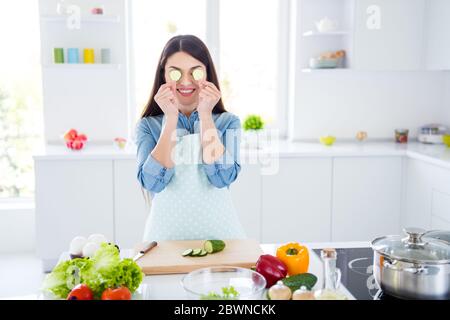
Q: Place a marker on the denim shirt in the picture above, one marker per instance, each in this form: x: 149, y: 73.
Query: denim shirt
x: 154, y: 177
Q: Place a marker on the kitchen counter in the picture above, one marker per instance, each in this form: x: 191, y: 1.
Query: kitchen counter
x: 169, y: 286
x: 434, y: 154
x: 156, y: 287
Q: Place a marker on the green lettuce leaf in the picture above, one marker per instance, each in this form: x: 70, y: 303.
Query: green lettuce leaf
x: 65, y: 276
x: 104, y: 270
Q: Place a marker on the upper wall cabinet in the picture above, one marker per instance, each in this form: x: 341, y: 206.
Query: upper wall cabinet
x: 389, y: 34
x: 324, y: 26
x: 437, y: 35
x: 82, y: 91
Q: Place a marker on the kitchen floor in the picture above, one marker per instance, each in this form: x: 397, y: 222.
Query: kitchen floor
x: 21, y: 275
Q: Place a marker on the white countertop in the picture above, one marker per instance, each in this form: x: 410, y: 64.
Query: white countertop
x: 435, y: 154
x: 168, y: 287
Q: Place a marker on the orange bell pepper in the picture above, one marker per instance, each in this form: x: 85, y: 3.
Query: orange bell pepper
x: 295, y: 257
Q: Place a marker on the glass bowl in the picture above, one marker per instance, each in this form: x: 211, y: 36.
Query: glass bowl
x: 213, y: 283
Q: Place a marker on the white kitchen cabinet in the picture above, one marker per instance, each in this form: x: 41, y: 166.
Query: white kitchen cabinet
x: 366, y: 197
x: 246, y: 193
x: 296, y: 201
x: 427, y: 198
x: 437, y: 34
x: 418, y: 194
x: 389, y: 34
x: 440, y: 198
x: 72, y: 198
x: 440, y: 209
x: 130, y: 207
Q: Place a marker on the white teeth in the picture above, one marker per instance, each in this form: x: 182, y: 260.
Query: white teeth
x: 186, y: 91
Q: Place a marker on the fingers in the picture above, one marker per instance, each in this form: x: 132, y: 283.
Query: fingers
x: 162, y: 91
x: 162, y: 94
x: 212, y: 92
x: 166, y: 94
x: 166, y: 97
x: 205, y: 94
x: 171, y: 85
x: 165, y: 89
x: 206, y: 84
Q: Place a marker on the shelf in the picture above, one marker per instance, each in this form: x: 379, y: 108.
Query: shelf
x: 325, y: 70
x: 326, y: 34
x: 82, y: 66
x: 84, y: 19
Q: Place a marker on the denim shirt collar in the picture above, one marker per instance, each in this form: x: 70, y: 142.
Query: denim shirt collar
x: 189, y: 123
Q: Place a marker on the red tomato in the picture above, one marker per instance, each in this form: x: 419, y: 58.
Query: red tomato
x: 77, y: 144
x: 121, y: 293
x: 81, y: 137
x: 80, y: 292
x: 70, y: 135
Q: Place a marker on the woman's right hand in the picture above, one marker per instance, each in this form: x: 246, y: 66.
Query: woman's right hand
x: 166, y: 99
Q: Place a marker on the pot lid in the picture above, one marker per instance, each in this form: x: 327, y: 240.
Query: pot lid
x: 438, y: 234
x: 413, y: 248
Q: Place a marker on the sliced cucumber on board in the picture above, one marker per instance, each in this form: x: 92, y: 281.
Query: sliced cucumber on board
x: 196, y: 252
x: 187, y: 252
x: 209, y: 246
x: 213, y: 246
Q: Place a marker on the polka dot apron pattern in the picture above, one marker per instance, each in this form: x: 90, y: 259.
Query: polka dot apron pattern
x: 190, y: 207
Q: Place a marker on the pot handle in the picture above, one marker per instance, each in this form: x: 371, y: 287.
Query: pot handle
x: 414, y: 270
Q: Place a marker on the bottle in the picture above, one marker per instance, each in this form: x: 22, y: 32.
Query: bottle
x: 331, y: 277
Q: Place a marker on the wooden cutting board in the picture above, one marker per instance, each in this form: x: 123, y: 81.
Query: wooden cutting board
x: 166, y: 257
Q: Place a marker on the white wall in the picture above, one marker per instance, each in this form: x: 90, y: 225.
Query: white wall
x: 446, y: 105
x: 17, y: 229
x: 343, y: 102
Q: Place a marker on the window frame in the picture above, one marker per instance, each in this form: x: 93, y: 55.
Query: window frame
x: 213, y: 43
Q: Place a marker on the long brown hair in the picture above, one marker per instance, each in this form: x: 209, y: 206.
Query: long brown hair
x: 193, y: 46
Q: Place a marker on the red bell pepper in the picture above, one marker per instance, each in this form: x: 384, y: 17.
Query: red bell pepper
x: 271, y: 268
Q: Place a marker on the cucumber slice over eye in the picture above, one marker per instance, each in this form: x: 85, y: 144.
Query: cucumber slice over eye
x: 198, y: 74
x: 175, y: 75
x: 187, y: 252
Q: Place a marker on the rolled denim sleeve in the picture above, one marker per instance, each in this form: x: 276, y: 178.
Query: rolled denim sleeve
x: 224, y: 171
x: 151, y: 174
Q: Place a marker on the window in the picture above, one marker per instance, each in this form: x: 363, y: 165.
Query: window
x: 153, y: 24
x: 21, y: 125
x: 248, y: 52
x: 249, y: 57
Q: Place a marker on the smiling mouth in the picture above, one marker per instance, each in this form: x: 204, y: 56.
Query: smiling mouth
x: 186, y: 92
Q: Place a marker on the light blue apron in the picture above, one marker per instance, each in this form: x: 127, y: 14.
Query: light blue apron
x: 190, y: 207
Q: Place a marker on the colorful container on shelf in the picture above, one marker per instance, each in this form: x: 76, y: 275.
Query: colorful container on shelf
x: 327, y: 140
x: 89, y: 55
x: 446, y: 139
x: 401, y: 135
x: 58, y: 55
x: 105, y: 55
x: 97, y: 11
x: 73, y: 55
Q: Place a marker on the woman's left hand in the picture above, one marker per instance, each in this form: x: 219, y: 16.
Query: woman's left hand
x: 208, y: 96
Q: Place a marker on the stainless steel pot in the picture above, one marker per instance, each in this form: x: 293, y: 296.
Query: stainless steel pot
x: 415, y: 267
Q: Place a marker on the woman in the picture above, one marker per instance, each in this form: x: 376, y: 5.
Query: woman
x: 188, y: 149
